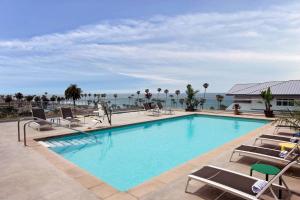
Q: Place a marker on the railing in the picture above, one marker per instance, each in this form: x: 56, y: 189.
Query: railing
x: 35, y: 119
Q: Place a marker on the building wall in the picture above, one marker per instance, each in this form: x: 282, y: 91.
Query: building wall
x: 256, y: 103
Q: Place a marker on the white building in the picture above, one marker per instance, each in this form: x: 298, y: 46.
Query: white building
x: 248, y: 95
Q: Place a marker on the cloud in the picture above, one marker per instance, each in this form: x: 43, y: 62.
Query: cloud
x: 163, y: 51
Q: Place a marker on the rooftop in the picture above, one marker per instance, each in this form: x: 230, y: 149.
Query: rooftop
x: 291, y: 87
x: 35, y: 172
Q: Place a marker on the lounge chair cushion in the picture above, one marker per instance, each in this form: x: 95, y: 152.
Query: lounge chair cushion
x: 275, y: 137
x: 229, y: 179
x: 259, y: 150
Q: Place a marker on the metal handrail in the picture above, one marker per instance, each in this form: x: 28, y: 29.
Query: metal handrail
x: 35, y: 119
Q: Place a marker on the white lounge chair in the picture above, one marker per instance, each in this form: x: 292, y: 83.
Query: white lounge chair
x: 265, y: 153
x: 40, y: 121
x: 67, y: 115
x: 168, y: 111
x: 149, y: 108
x: 236, y: 183
x: 275, y: 138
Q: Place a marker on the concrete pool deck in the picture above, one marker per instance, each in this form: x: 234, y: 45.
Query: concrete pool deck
x: 35, y: 172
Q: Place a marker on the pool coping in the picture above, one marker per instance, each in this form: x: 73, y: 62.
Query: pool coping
x: 104, y: 191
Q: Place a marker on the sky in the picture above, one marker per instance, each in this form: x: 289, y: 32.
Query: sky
x: 129, y: 45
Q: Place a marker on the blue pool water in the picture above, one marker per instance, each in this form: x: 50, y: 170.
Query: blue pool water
x: 127, y: 156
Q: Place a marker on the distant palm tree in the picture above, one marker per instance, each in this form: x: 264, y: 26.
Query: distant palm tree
x: 148, y: 95
x: 219, y: 99
x: 59, y: 99
x: 19, y: 96
x: 95, y: 95
x: 103, y: 96
x: 181, y: 101
x: 53, y: 99
x: 29, y: 99
x: 129, y: 98
x: 205, y: 85
x: 8, y: 99
x: 173, y: 102
x: 73, y: 92
x: 115, y: 96
x: 177, y: 92
x: 37, y: 99
x: 45, y: 101
x: 166, y: 91
x: 138, y: 93
x: 46, y: 93
x: 158, y: 90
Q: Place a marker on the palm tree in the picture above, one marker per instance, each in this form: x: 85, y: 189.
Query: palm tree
x: 8, y: 99
x: 191, y: 101
x: 29, y: 99
x: 181, y: 101
x: 89, y: 95
x: 177, y: 92
x: 45, y: 101
x: 205, y: 85
x: 129, y: 98
x: 53, y: 99
x: 58, y: 100
x: 267, y: 97
x: 158, y: 90
x: 115, y: 96
x: 19, y: 96
x: 62, y: 99
x: 73, y: 92
x: 37, y: 99
x: 138, y: 93
x: 95, y: 95
x: 147, y: 94
x: 166, y: 91
x: 290, y: 118
x: 103, y: 96
x: 219, y: 99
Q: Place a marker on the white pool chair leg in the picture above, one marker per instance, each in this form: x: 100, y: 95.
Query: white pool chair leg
x: 273, y: 193
x: 187, y: 185
x: 231, y: 156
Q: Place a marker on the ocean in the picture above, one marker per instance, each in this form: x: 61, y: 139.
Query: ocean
x: 125, y: 99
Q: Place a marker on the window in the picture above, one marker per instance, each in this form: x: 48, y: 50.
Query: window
x: 285, y: 102
x: 278, y: 102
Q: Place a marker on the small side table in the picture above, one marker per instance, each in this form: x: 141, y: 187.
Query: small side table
x: 267, y: 170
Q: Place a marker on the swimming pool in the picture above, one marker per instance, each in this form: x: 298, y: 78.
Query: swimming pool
x: 127, y: 156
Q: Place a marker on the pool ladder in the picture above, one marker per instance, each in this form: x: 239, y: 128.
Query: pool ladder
x: 33, y: 119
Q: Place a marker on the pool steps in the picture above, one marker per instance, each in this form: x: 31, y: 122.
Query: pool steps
x: 71, y: 142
